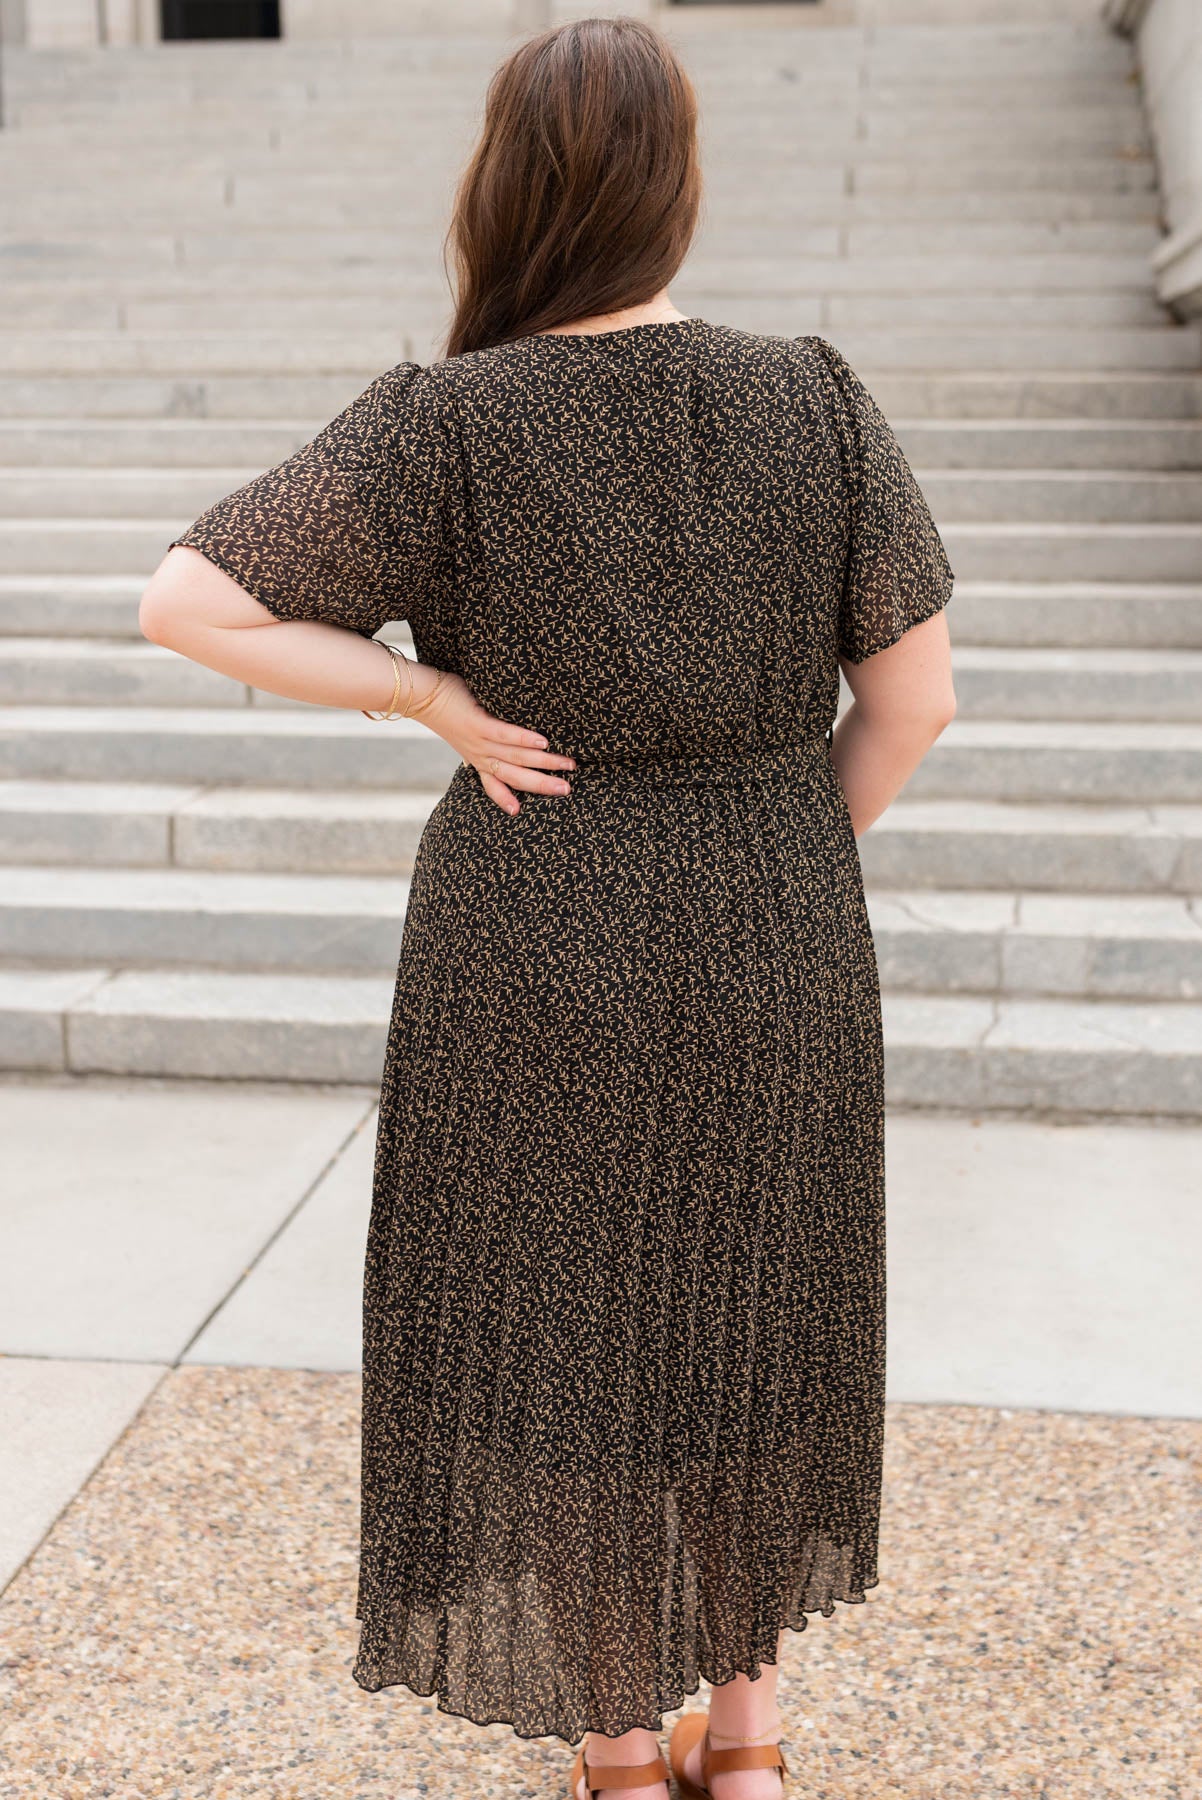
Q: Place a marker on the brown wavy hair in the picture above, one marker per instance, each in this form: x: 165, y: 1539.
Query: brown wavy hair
x: 582, y: 194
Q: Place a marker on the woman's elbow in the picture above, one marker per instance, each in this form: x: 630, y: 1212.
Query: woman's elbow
x: 166, y: 608
x: 153, y: 615
x: 913, y: 716
x: 943, y: 710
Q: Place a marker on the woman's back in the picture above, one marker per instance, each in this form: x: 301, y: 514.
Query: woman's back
x: 647, y: 542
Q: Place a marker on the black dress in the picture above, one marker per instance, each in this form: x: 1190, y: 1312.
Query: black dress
x: 624, y: 1301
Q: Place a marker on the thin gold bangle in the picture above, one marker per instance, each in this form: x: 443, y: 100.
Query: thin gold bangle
x: 392, y: 712
x: 425, y: 704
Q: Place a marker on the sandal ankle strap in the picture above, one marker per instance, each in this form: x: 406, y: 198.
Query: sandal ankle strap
x: 750, y: 1756
x: 623, y: 1775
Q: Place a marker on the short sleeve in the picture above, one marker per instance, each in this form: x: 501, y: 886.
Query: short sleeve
x: 897, y: 572
x: 350, y: 529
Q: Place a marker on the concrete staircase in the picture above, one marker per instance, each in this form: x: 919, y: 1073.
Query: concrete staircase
x: 211, y: 248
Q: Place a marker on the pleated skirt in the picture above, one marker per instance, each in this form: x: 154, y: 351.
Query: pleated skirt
x: 624, y: 1298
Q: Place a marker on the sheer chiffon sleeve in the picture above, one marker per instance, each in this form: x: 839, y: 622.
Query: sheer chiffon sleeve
x: 348, y: 530
x: 897, y: 572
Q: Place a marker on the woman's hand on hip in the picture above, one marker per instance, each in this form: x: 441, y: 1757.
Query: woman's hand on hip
x: 507, y: 757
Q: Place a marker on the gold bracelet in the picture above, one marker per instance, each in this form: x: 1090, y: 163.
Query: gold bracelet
x: 392, y: 712
x: 411, y: 689
x: 424, y: 705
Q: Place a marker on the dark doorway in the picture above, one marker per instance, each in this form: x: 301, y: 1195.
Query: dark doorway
x: 220, y: 18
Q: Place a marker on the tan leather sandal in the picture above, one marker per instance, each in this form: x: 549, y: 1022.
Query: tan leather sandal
x: 696, y: 1726
x: 616, y: 1775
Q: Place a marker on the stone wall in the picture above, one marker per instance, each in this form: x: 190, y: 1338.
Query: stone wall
x: 68, y: 24
x: 1168, y: 34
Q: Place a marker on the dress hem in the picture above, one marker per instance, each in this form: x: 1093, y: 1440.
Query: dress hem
x: 534, y: 1737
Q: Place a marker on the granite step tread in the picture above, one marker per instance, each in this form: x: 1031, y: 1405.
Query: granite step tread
x: 967, y: 844
x: 107, y: 495
x: 1137, y: 946
x: 941, y: 1050
x: 1140, y: 762
x: 1037, y: 847
x: 992, y: 681
x: 963, y: 394
x: 1049, y: 615
x: 193, y: 825
x: 980, y: 349
x: 987, y: 550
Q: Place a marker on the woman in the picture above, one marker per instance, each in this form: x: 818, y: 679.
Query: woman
x: 624, y: 1294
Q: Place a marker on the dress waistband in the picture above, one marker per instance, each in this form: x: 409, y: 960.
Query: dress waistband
x: 706, y: 768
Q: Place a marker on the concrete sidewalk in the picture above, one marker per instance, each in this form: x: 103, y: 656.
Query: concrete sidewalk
x: 155, y: 1224
x: 180, y: 1297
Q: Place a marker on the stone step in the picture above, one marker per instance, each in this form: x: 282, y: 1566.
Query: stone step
x: 1026, y: 446
x: 1065, y: 63
x: 827, y: 130
x: 1050, y: 615
x: 195, y: 444
x: 944, y: 273
x: 970, y: 844
x: 251, y: 174
x: 1062, y: 761
x: 1035, y: 395
x: 196, y: 1023
x: 1046, y: 1056
x: 220, y: 444
x: 1059, y: 496
x: 75, y: 606
x: 1023, y: 552
x: 268, y: 262
x: 313, y: 831
x: 1038, y: 394
x: 227, y: 397
x: 39, y: 671
x: 991, y: 682
x: 60, y: 150
x: 253, y: 745
x: 1075, y: 683
x: 147, y: 353
x: 1130, y: 496
x: 1026, y: 218
x: 1053, y: 615
x: 983, y: 237
x: 122, y: 917
x: 98, y: 353
x: 838, y: 226
x: 1043, y: 1056
x: 1000, y: 174
x: 316, y: 747
x: 917, y: 844
x: 29, y: 305
x: 1050, y: 552
x: 1036, y: 614
x: 1102, y: 946
x: 108, y: 495
x: 339, y: 87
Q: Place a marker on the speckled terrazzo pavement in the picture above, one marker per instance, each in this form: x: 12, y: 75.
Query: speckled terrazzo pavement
x: 187, y: 1628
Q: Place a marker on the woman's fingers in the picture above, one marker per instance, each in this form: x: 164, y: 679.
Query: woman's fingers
x: 521, y: 745
x: 505, y: 733
x: 522, y: 756
x: 529, y: 781
x: 498, y: 792
x: 512, y: 757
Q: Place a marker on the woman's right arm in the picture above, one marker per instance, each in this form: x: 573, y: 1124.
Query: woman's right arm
x: 902, y: 698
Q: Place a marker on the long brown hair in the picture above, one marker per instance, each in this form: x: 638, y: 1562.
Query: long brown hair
x: 582, y: 194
